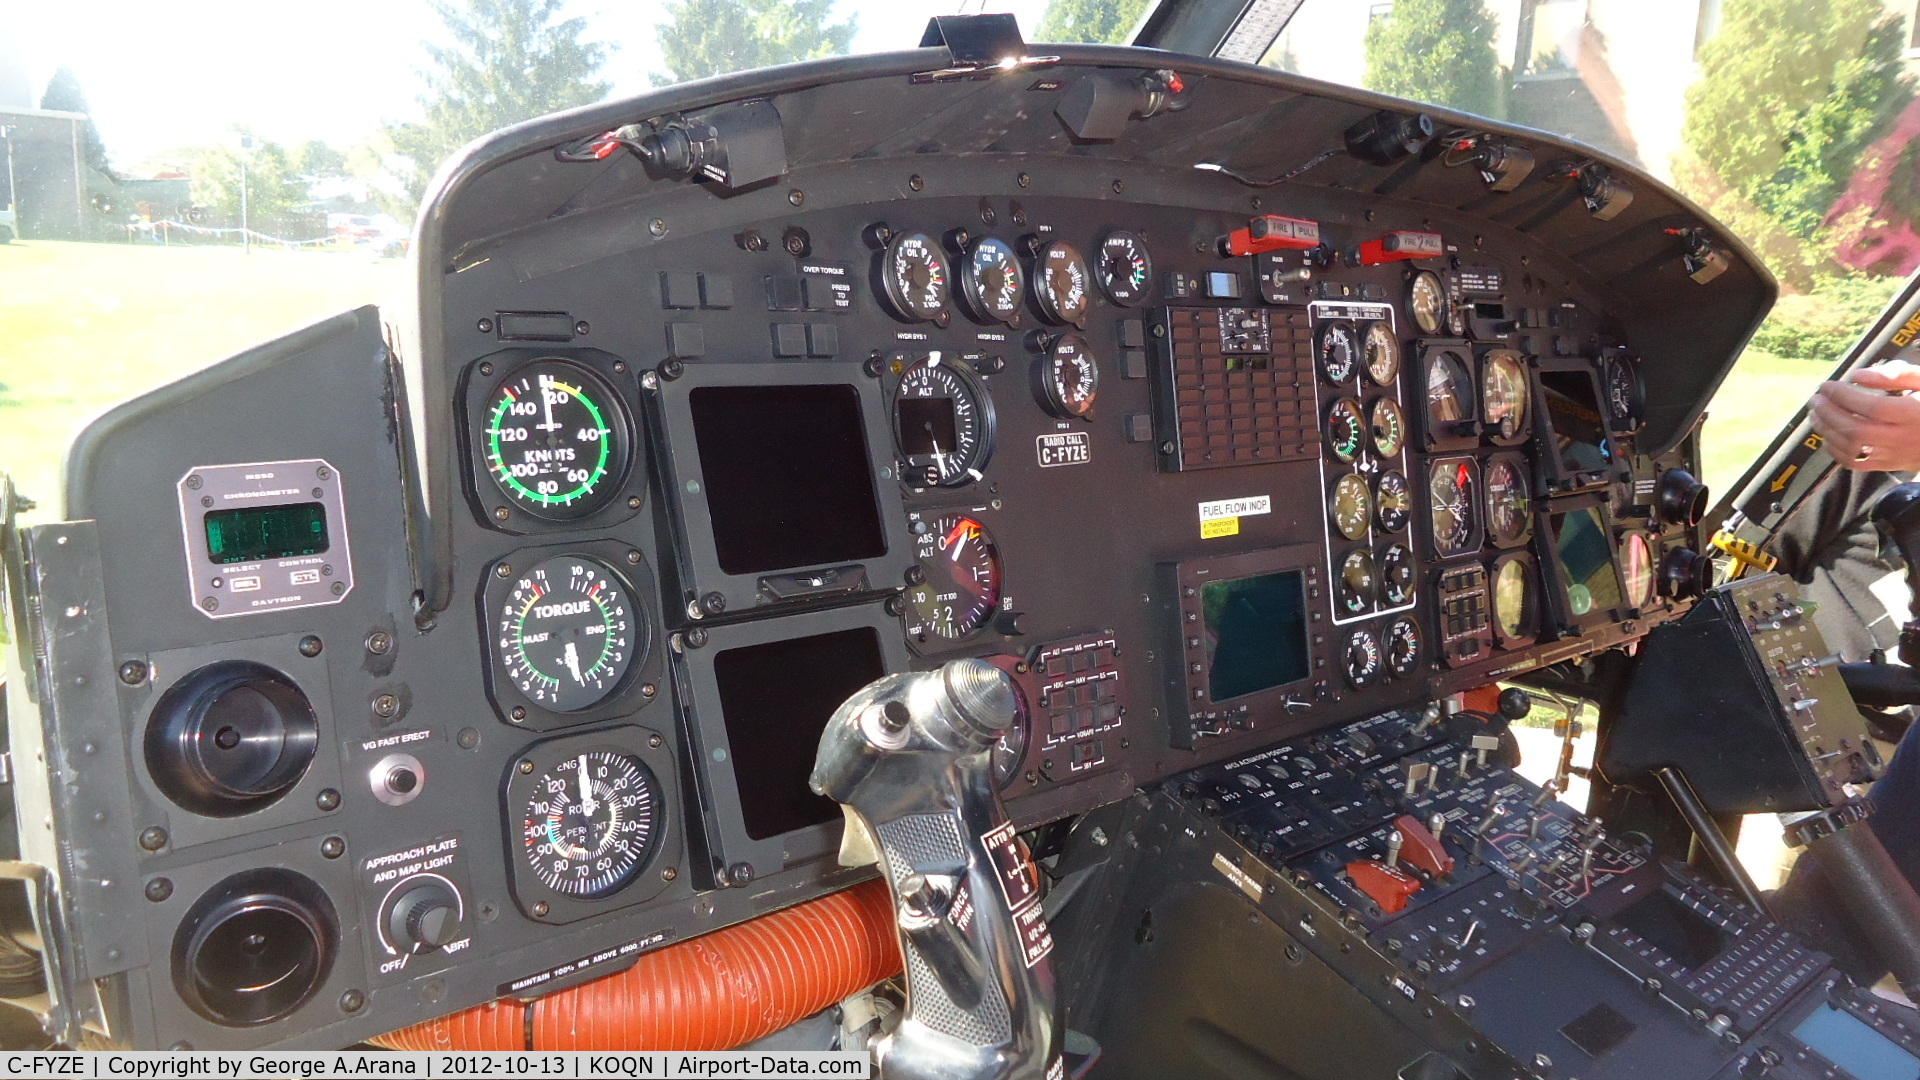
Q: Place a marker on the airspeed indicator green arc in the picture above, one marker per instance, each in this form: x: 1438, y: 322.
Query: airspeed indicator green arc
x: 555, y: 440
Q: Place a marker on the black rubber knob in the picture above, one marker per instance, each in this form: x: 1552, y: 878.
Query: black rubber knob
x: 425, y: 917
x: 1515, y: 703
x: 1683, y: 499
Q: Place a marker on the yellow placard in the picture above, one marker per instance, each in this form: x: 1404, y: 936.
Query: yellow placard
x: 1219, y: 527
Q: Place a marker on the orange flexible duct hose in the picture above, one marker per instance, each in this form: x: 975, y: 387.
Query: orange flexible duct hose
x: 714, y: 992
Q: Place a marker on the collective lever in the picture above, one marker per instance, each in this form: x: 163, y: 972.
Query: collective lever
x: 909, y: 760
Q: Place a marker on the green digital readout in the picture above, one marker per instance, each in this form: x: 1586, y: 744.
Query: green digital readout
x: 251, y: 533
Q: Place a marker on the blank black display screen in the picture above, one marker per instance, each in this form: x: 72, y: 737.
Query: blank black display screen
x: 1675, y: 929
x: 1256, y: 633
x: 1579, y: 431
x: 927, y: 425
x: 776, y: 699
x: 789, y: 482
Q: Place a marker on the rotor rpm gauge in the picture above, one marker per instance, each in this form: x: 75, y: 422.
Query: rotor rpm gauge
x: 913, y: 278
x: 991, y: 282
x: 555, y: 440
x: 1392, y: 501
x: 1389, y: 427
x: 1068, y: 377
x: 1356, y: 581
x: 1124, y: 269
x: 961, y: 586
x: 1381, y: 351
x: 1403, y: 647
x: 1396, y: 574
x: 1346, y: 429
x: 1339, y: 351
x: 1060, y: 284
x: 1427, y: 301
x: 1451, y: 496
x: 565, y: 634
x: 1352, y: 506
x: 591, y: 823
x: 942, y: 423
x: 1363, y: 660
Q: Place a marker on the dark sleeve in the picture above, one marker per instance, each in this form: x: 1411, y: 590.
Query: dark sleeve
x: 1832, y: 549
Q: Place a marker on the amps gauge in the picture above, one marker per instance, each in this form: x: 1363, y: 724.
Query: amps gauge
x: 568, y: 636
x: 586, y: 818
x: 1124, y: 269
x: 551, y: 444
x: 268, y: 536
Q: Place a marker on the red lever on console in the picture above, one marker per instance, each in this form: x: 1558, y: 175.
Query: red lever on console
x: 1271, y: 232
x: 1388, y: 888
x: 1401, y: 246
x: 1421, y: 848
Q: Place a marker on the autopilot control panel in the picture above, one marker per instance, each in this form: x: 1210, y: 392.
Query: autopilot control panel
x: 1215, y: 406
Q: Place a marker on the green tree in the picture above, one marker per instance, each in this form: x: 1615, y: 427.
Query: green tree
x: 1096, y: 22
x: 509, y: 60
x: 64, y: 94
x: 315, y: 158
x: 715, y: 37
x: 275, y: 188
x: 1439, y: 51
x: 1789, y: 94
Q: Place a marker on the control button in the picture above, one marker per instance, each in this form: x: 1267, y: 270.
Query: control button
x: 397, y: 779
x: 825, y: 294
x: 1133, y: 363
x: 823, y: 339
x: 679, y: 289
x: 1133, y: 334
x: 783, y: 292
x: 716, y: 291
x: 789, y: 339
x: 1383, y: 885
x: 686, y: 340
x: 1419, y: 847
x: 425, y: 917
x: 1139, y: 427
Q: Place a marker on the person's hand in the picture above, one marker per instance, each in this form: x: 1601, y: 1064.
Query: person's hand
x: 1865, y: 425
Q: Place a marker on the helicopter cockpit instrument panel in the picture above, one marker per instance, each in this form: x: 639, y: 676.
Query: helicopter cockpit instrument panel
x: 1214, y: 405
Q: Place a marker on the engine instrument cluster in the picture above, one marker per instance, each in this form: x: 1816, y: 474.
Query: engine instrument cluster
x: 1203, y: 466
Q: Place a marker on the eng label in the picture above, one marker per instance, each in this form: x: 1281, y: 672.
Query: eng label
x: 1222, y: 517
x: 1063, y: 448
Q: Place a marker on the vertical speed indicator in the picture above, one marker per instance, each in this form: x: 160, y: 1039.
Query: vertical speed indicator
x: 565, y: 633
x: 554, y: 438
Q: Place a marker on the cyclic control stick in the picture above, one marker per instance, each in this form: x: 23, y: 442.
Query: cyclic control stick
x: 909, y: 760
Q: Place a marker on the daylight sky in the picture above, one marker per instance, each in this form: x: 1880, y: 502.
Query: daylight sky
x: 162, y: 76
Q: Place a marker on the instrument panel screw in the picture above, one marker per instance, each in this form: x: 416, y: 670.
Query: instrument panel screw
x: 896, y: 604
x: 525, y: 767
x: 583, y: 328
x: 210, y: 604
x: 328, y: 799
x: 500, y: 513
x: 206, y: 500
x: 633, y: 557
x: 379, y: 642
x: 468, y: 738
x: 311, y: 645
x: 159, y: 889
x: 352, y: 1001
x: 518, y: 713
x: 669, y: 873
x: 486, y: 369
x: 485, y: 326
x: 671, y: 369
x: 133, y: 672
x: 658, y: 227
x: 648, y: 690
x: 1119, y: 186
x: 503, y: 570
x: 655, y: 742
x: 540, y: 910
x: 332, y: 847
x: 796, y: 196
x: 385, y: 705
x: 338, y: 588
x: 713, y: 603
x: 181, y: 1045
x: 153, y: 838
x: 194, y: 482
x: 696, y: 638
x: 739, y: 875
x: 1023, y: 180
x: 619, y: 366
x: 915, y: 183
x: 916, y: 574
x: 1167, y: 448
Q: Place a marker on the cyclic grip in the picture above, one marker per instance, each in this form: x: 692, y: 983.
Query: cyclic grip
x: 909, y: 758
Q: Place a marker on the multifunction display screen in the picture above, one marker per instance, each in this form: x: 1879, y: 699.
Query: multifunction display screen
x: 1256, y: 631
x: 1587, y: 572
x: 254, y: 533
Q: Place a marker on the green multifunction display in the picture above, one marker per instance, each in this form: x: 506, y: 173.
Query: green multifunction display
x: 254, y: 533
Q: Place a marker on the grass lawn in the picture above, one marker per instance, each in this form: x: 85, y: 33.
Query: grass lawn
x: 84, y: 326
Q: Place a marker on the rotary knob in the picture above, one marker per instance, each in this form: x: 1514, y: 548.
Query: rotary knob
x: 425, y: 917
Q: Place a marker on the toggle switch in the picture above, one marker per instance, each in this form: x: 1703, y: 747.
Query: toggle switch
x: 1384, y: 885
x: 1421, y: 846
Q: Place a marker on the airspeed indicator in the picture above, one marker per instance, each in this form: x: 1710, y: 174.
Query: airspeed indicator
x: 555, y: 440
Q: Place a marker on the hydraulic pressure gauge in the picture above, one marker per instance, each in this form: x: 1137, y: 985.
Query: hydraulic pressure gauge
x: 1388, y: 425
x: 1396, y: 574
x: 1356, y: 581
x: 942, y: 424
x: 566, y: 634
x: 1061, y: 284
x: 1352, y: 506
x: 1346, y: 429
x: 913, y: 277
x: 554, y: 438
x: 960, y: 588
x: 1124, y: 270
x: 991, y: 282
x: 1392, y: 500
x: 1339, y: 351
x: 1427, y: 301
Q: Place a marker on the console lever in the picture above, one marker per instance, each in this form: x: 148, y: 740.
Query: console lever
x: 909, y: 758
